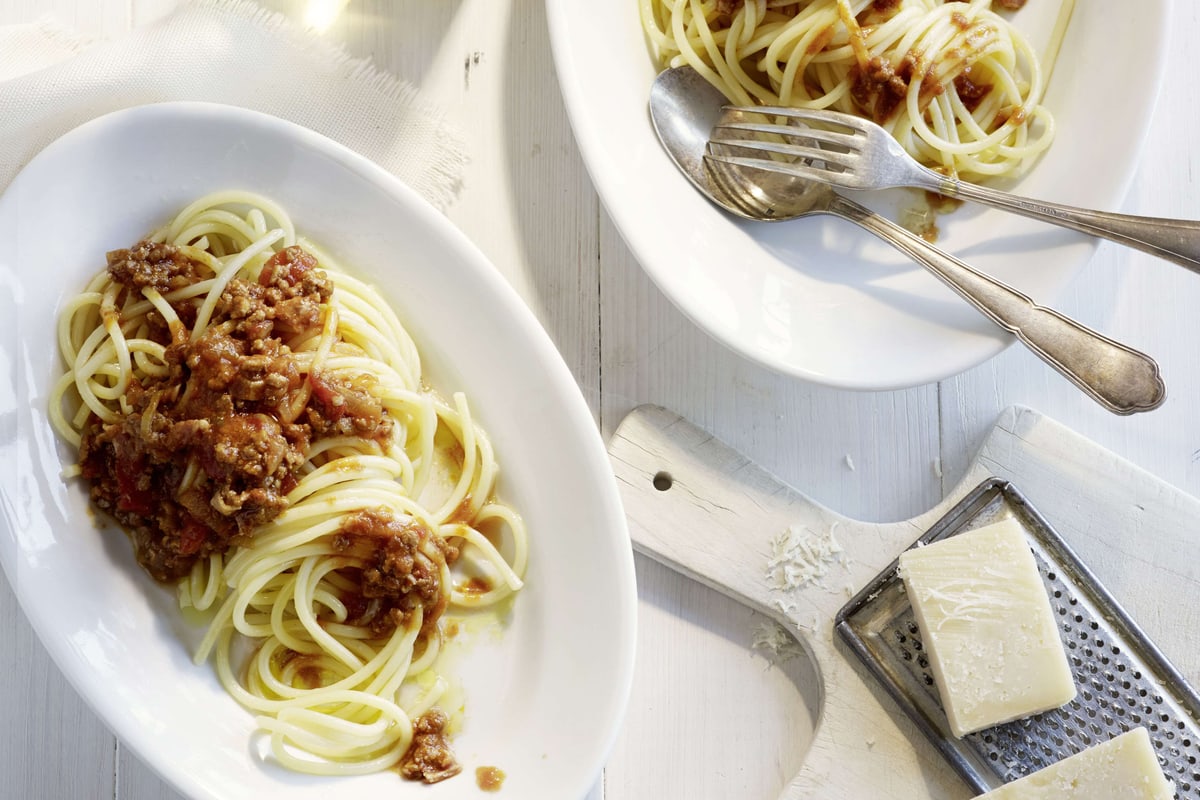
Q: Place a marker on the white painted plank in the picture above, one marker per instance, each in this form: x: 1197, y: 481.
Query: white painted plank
x: 869, y: 455
x: 691, y: 742
x: 53, y: 745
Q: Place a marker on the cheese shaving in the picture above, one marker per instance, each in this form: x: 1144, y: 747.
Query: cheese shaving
x: 777, y: 642
x: 800, y: 556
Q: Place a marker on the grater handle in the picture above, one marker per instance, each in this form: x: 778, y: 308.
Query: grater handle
x: 704, y: 510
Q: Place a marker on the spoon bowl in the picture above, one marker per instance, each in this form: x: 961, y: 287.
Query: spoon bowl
x: 685, y: 108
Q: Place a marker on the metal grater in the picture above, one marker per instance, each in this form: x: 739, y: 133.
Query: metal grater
x: 1123, y: 680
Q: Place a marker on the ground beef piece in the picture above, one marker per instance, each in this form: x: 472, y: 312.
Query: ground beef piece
x: 970, y: 93
x: 161, y: 266
x: 214, y: 359
x: 879, y: 88
x: 429, y: 757
x: 297, y: 314
x: 245, y: 303
x: 294, y: 270
x: 248, y: 446
x: 265, y: 378
x: 1009, y: 5
x: 340, y: 408
x: 402, y: 566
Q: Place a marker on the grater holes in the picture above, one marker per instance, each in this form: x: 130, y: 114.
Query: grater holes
x: 1108, y: 673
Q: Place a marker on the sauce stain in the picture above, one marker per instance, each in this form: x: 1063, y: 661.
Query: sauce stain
x: 489, y: 779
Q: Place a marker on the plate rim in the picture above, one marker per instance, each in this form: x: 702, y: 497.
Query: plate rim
x: 638, y: 237
x: 455, y: 243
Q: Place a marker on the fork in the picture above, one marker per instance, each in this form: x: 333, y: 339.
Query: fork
x: 858, y: 154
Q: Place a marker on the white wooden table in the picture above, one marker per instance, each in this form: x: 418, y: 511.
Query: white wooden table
x: 710, y: 717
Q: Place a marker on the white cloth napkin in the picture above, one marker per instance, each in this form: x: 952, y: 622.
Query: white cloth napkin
x: 222, y: 51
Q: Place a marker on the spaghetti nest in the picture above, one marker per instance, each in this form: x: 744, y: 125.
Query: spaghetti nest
x: 255, y: 419
x: 954, y: 82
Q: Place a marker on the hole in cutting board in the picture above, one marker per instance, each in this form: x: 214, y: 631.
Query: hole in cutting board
x: 710, y: 716
x: 663, y: 481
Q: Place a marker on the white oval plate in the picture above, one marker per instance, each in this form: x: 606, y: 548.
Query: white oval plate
x: 543, y: 697
x: 818, y: 298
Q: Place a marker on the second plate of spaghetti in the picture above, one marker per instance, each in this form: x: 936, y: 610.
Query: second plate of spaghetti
x: 815, y: 298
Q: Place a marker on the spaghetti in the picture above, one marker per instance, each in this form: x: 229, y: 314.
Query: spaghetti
x: 255, y: 418
x: 954, y: 82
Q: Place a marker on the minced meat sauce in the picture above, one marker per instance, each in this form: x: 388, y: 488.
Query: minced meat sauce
x: 234, y: 410
x: 879, y: 87
x: 401, y: 570
x: 208, y: 452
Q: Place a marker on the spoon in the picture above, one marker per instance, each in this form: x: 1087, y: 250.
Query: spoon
x: 684, y: 108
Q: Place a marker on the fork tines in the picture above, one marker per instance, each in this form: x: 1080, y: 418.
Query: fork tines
x: 788, y: 148
x: 821, y: 115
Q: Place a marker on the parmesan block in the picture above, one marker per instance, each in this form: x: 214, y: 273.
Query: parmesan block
x: 1124, y: 768
x: 987, y: 626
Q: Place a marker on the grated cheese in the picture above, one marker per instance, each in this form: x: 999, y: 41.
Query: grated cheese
x: 800, y: 556
x: 772, y: 638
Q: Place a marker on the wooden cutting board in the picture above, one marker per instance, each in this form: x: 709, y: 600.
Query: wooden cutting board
x: 703, y: 509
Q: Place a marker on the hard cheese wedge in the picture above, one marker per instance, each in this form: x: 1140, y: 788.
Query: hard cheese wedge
x: 1124, y: 768
x: 987, y: 626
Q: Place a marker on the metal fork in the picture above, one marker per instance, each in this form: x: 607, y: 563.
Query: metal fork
x: 855, y: 153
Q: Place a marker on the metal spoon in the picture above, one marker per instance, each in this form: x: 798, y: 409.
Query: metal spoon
x: 684, y: 108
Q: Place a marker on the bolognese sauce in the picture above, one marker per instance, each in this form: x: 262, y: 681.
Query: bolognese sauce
x: 206, y: 453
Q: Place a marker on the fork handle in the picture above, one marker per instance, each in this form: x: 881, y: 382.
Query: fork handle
x: 1118, y: 377
x: 1175, y: 240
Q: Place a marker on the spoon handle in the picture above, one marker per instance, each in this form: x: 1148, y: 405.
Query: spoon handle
x: 1176, y: 240
x: 1119, y: 378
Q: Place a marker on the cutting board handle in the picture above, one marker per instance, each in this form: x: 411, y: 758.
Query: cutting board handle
x: 702, y: 509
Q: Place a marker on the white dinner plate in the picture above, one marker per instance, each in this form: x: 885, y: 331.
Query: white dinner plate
x: 544, y: 690
x: 818, y: 298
